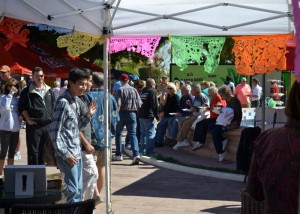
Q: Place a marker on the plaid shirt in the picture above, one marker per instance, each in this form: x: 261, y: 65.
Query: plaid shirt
x: 128, y: 98
x: 65, y: 126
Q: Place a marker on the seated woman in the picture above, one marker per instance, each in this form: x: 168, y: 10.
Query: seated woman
x: 217, y: 131
x: 171, y: 106
x: 274, y: 171
x: 204, y: 125
x: 180, y: 115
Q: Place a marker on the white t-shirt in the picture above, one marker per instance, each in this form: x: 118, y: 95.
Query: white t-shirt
x: 257, y: 91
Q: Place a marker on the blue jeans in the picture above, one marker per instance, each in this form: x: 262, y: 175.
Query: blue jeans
x: 161, y: 128
x: 173, y: 127
x: 72, y: 179
x: 201, y: 129
x: 217, y: 135
x: 128, y: 119
x: 147, y: 129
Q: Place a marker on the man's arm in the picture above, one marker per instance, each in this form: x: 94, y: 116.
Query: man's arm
x: 85, y: 143
x: 23, y: 106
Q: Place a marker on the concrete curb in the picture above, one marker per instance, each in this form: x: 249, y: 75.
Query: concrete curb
x: 191, y: 170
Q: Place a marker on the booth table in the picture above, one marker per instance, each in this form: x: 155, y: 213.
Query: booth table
x: 51, y: 196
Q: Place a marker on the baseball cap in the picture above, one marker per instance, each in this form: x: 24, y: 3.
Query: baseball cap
x: 164, y: 78
x: 124, y: 77
x: 4, y: 69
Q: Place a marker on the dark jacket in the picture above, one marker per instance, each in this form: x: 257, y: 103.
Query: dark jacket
x: 172, y: 105
x: 245, y: 149
x: 149, y: 108
x: 183, y: 105
x: 39, y: 109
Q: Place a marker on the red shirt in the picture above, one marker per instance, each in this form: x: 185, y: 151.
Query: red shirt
x: 213, y: 103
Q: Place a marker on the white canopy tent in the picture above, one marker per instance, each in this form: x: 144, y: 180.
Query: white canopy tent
x: 155, y: 17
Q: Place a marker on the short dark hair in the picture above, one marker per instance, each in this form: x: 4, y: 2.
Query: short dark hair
x: 228, y: 78
x: 89, y: 71
x: 76, y: 74
x: 98, y: 78
x: 36, y: 69
x: 256, y: 81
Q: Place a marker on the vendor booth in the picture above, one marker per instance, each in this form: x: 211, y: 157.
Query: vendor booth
x: 96, y: 21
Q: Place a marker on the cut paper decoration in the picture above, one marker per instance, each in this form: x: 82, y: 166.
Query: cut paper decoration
x: 143, y: 45
x: 11, y: 30
x: 296, y: 9
x: 186, y: 48
x: 260, y: 54
x: 78, y: 42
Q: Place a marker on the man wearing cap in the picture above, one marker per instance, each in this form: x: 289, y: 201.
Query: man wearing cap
x: 242, y: 91
x: 5, y: 75
x: 36, y: 104
x: 129, y: 102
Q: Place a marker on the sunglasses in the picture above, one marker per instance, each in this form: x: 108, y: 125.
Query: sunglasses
x: 39, y: 76
x: 169, y: 88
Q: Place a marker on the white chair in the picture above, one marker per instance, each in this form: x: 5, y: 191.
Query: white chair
x: 269, y: 117
x: 248, y: 117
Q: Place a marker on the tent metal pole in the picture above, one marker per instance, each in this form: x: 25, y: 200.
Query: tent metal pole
x: 83, y: 15
x: 114, y: 13
x: 34, y: 8
x: 137, y: 11
x: 195, y: 10
x: 79, y: 11
x: 136, y: 23
x: 197, y: 23
x: 106, y: 127
x: 254, y: 8
x: 258, y: 21
x: 263, y: 109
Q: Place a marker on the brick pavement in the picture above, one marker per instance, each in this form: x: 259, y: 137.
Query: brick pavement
x: 147, y: 189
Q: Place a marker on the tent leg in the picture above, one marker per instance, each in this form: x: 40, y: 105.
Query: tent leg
x: 263, y: 114
x: 106, y: 127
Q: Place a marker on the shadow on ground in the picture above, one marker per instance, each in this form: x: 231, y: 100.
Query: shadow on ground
x: 171, y: 184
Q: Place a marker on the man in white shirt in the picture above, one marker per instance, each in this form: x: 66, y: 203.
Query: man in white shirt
x: 256, y: 93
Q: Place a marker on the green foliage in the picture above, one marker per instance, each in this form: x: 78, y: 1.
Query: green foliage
x: 226, y: 53
x: 151, y: 72
x: 236, y: 77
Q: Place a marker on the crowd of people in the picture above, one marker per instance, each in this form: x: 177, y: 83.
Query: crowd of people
x: 72, y: 119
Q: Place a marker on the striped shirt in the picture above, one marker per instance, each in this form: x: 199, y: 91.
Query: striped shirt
x: 128, y: 98
x: 70, y: 115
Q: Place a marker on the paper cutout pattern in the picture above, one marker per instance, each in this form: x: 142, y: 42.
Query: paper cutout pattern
x: 185, y: 48
x: 78, y: 42
x: 260, y: 54
x: 11, y: 29
x: 143, y: 45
